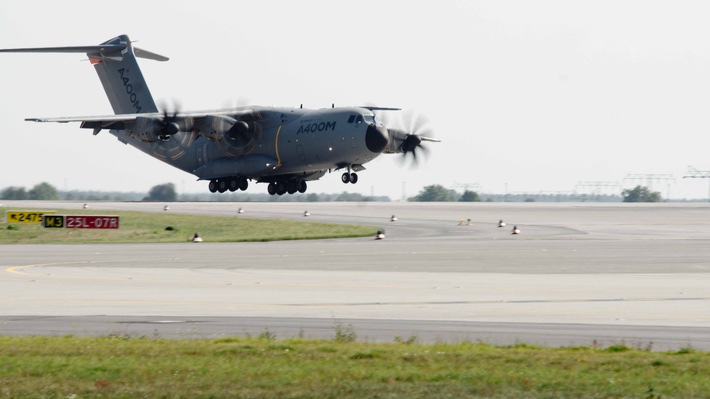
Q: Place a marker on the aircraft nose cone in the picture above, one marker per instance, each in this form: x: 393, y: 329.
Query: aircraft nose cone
x: 376, y: 138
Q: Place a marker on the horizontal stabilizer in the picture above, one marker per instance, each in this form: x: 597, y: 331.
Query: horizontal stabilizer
x: 68, y: 49
x: 104, y: 49
x: 149, y: 55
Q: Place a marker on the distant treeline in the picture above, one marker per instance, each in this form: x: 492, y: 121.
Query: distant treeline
x: 45, y: 191
x: 542, y: 197
x: 433, y: 193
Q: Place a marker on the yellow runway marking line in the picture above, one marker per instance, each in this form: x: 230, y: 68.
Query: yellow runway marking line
x: 12, y: 270
x: 82, y: 262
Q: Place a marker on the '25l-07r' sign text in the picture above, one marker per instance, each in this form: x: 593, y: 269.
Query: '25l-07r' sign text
x: 80, y: 222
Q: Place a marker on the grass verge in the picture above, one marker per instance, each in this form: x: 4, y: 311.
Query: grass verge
x: 121, y: 367
x: 140, y: 227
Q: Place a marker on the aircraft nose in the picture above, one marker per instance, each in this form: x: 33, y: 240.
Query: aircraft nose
x: 376, y: 138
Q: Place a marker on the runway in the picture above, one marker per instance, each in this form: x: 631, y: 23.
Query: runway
x: 578, y: 274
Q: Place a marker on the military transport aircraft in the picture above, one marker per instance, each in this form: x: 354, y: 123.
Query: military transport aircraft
x: 284, y: 147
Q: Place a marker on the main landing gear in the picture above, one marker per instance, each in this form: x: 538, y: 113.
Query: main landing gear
x: 282, y: 187
x: 229, y: 183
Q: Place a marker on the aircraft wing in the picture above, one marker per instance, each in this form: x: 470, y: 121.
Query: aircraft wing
x: 119, y: 121
x: 105, y: 118
x: 95, y: 122
x: 132, y: 117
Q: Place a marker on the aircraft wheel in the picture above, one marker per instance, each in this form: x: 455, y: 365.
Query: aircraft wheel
x: 213, y: 186
x: 302, y: 186
x: 271, y: 189
x: 280, y: 188
x: 233, y: 184
x: 222, y: 186
x: 243, y: 184
x: 353, y: 178
x: 345, y: 178
x: 292, y: 187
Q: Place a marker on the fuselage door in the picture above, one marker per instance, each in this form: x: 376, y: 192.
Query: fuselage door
x: 201, y: 154
x: 301, y: 153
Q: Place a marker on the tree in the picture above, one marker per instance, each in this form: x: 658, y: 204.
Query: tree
x: 14, y: 193
x: 641, y: 194
x: 435, y: 193
x: 162, y: 192
x: 470, y: 196
x: 43, y: 191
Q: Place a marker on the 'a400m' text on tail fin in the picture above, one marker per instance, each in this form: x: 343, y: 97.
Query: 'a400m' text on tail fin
x: 115, y: 62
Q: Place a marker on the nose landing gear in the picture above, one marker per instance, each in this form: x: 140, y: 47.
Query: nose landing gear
x: 348, y: 177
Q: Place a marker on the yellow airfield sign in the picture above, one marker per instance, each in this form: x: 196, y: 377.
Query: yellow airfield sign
x: 13, y: 217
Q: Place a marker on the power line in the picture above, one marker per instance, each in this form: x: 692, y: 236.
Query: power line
x: 698, y: 174
x: 474, y: 186
x: 596, y: 187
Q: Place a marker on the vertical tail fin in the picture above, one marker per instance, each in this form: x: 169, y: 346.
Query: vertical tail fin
x: 115, y: 63
x: 121, y: 77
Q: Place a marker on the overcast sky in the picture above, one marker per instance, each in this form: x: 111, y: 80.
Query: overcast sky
x: 527, y: 96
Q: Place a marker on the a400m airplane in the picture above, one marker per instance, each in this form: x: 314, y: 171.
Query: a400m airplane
x: 284, y: 147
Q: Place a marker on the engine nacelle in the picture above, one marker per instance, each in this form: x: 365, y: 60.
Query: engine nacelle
x: 396, y: 138
x: 146, y: 129
x: 214, y: 127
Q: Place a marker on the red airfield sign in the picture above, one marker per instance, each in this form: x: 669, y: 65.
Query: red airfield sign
x: 81, y: 221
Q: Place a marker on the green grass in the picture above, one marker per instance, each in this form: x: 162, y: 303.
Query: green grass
x: 121, y: 367
x: 139, y: 227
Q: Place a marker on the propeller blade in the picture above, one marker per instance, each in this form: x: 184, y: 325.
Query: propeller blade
x: 240, y: 130
x: 416, y: 130
x: 172, y: 123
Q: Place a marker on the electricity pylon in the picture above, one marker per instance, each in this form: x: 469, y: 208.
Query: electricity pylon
x: 698, y: 174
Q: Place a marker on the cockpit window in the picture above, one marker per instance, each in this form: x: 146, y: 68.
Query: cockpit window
x: 369, y: 118
x: 354, y: 118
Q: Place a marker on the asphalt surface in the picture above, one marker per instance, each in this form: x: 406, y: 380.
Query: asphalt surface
x: 578, y: 274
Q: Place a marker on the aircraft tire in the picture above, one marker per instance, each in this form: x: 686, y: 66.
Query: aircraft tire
x: 212, y: 186
x: 353, y: 178
x: 280, y: 188
x: 302, y: 186
x: 292, y: 187
x: 271, y: 189
x: 345, y: 178
x: 233, y: 185
x: 221, y: 186
x: 243, y: 184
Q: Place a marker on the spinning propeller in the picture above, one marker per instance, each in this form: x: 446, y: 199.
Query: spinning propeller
x: 168, y: 125
x: 243, y: 127
x: 240, y: 130
x: 171, y: 123
x: 408, y: 140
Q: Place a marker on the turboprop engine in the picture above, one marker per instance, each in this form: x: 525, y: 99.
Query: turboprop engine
x: 216, y: 127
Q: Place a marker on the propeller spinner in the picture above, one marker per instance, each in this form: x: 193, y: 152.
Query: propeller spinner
x: 408, y: 141
x: 168, y: 125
